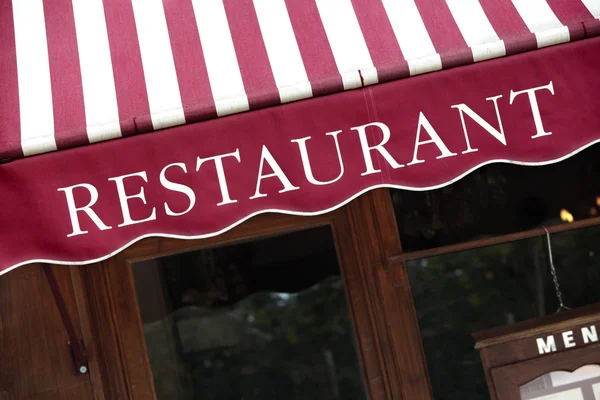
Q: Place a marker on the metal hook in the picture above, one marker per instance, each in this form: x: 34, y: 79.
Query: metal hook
x: 561, y: 304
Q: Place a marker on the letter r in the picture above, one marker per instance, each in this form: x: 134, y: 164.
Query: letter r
x: 73, y: 209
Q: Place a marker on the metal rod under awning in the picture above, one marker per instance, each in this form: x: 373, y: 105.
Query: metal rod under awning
x: 78, y: 355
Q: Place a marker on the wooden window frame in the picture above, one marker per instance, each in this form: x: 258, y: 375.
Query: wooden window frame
x: 379, y: 300
x: 491, y: 241
x: 398, y: 260
x: 374, y: 270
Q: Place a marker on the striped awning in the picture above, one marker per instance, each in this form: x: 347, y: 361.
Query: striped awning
x: 74, y: 72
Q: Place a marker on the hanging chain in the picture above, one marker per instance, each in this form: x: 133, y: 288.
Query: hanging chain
x: 561, y: 304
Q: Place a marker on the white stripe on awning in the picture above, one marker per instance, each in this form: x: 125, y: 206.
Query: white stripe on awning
x: 97, y: 79
x: 219, y: 54
x: 476, y: 29
x: 347, y: 43
x: 159, y: 68
x: 282, y: 49
x: 541, y: 20
x: 33, y: 68
x: 412, y: 36
x: 593, y: 6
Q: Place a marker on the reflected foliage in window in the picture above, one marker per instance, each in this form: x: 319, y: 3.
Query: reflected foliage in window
x: 498, y: 199
x: 461, y: 293
x: 266, y: 319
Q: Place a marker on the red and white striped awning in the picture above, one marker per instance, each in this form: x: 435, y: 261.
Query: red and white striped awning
x: 74, y: 72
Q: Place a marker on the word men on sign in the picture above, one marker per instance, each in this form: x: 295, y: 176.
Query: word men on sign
x: 587, y: 334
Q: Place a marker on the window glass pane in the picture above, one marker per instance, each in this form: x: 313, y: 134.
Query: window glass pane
x: 498, y: 199
x: 461, y: 293
x: 266, y: 319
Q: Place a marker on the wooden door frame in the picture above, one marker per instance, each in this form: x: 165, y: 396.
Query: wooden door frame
x: 379, y: 300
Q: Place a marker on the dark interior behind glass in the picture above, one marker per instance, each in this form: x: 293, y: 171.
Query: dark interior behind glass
x: 498, y: 199
x: 461, y: 293
x: 265, y: 319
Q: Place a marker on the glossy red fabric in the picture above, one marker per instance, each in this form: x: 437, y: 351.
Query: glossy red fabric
x: 563, y: 82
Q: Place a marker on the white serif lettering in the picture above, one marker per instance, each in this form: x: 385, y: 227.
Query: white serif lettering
x: 366, y: 149
x: 221, y: 173
x: 306, y: 161
x: 435, y: 138
x: 535, y: 108
x: 124, y: 199
x: 177, y: 187
x: 73, y: 209
x: 498, y: 134
x: 267, y: 157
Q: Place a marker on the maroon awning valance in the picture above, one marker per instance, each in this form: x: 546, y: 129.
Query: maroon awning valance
x: 306, y: 157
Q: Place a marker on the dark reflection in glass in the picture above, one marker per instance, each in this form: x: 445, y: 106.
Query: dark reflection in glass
x: 461, y: 293
x: 498, y: 199
x: 266, y: 319
x: 577, y: 259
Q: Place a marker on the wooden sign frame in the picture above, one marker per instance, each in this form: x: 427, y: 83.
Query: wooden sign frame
x: 517, y: 354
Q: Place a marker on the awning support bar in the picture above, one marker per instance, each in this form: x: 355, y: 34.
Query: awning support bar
x: 78, y: 356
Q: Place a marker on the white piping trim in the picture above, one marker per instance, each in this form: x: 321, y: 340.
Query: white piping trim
x: 300, y: 213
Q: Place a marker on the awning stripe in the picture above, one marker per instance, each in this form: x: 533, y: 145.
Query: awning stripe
x: 446, y: 37
x: 10, y: 125
x: 207, y: 58
x: 507, y: 23
x: 65, y: 75
x: 476, y: 29
x: 194, y: 85
x: 128, y: 72
x: 33, y: 66
x: 541, y: 20
x: 221, y: 61
x: 347, y: 43
x: 282, y: 49
x: 381, y: 40
x: 99, y: 94
x: 159, y: 68
x: 593, y: 6
x: 564, y: 13
x: 251, y: 52
x: 319, y: 62
x: 412, y: 36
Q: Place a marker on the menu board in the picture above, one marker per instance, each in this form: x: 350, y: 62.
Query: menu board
x: 583, y: 384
